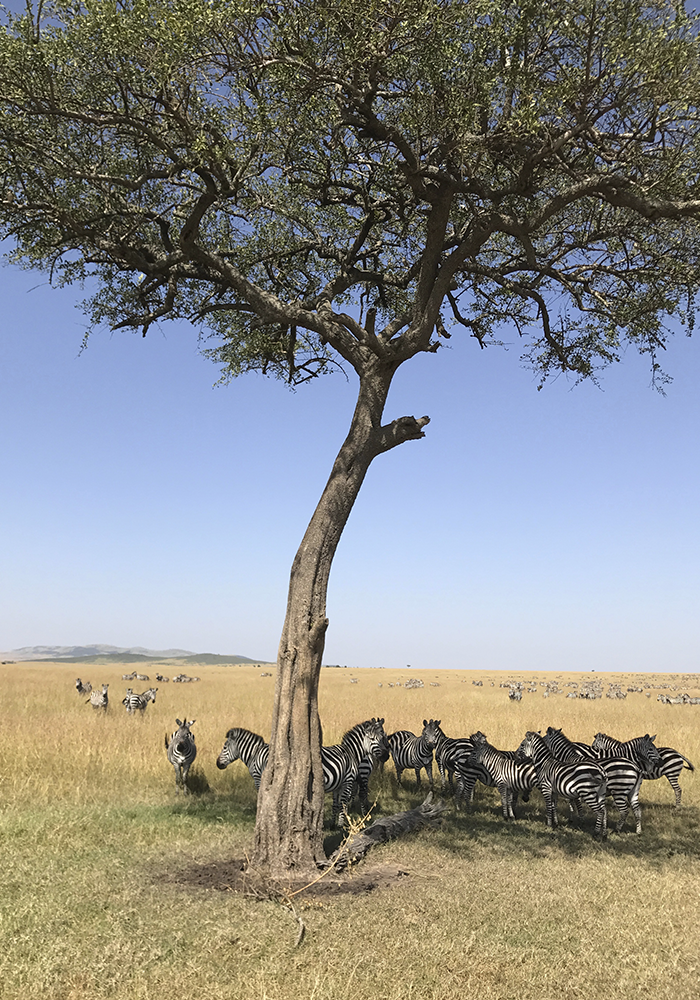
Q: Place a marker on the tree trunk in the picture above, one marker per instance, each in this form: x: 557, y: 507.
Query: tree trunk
x: 289, y: 825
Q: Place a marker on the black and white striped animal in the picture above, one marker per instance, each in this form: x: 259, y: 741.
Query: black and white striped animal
x: 641, y: 749
x: 449, y: 752
x: 241, y: 744
x: 137, y: 702
x: 623, y: 774
x: 342, y: 762
x: 253, y: 751
x: 81, y: 688
x: 496, y: 768
x: 100, y: 699
x: 181, y: 750
x: 411, y: 751
x: 583, y: 780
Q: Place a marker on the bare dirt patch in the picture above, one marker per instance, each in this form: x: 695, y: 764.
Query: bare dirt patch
x: 231, y: 876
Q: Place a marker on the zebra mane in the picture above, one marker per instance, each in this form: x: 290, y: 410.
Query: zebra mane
x: 362, y: 727
x: 237, y: 731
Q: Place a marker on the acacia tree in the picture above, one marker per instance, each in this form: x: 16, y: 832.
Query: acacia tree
x: 320, y: 186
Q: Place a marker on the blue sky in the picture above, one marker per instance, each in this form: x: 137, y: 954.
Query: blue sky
x: 552, y: 530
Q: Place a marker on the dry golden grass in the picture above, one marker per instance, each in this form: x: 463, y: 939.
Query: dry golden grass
x: 94, y: 837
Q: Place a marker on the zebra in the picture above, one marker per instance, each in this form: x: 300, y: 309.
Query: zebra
x: 409, y: 750
x: 161, y: 679
x: 181, y: 750
x: 508, y: 775
x: 134, y: 702
x: 341, y: 762
x: 469, y: 771
x: 448, y: 752
x: 581, y: 780
x: 99, y: 699
x: 624, y: 775
x: 656, y: 762
x: 243, y: 745
x: 81, y: 688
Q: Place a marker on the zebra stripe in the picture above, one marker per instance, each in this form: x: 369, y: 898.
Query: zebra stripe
x: 338, y: 771
x: 243, y: 745
x: 655, y: 762
x: 448, y: 753
x: 582, y: 780
x: 100, y: 699
x: 508, y: 775
x: 469, y: 771
x: 409, y: 750
x: 181, y: 751
x: 341, y: 762
x: 137, y: 702
x: 624, y: 775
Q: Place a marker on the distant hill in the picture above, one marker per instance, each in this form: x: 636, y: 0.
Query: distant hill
x: 118, y: 654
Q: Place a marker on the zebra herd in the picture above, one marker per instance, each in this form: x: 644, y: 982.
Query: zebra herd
x: 557, y: 766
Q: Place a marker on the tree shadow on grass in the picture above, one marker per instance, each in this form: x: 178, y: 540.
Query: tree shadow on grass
x: 666, y: 832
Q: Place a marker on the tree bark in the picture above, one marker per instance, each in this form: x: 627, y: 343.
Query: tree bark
x: 289, y: 825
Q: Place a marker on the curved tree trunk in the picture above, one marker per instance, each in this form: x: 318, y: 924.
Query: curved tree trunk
x: 289, y: 825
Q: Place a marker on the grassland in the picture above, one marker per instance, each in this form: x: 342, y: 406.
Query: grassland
x: 99, y: 894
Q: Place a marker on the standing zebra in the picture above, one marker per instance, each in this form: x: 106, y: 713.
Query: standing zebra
x: 656, y: 762
x: 243, y: 745
x: 624, y: 775
x: 99, y: 699
x: 470, y: 769
x: 508, y: 775
x: 81, y: 688
x: 341, y: 762
x: 448, y: 753
x: 582, y: 780
x: 252, y: 749
x: 137, y: 702
x: 181, y: 750
x: 409, y: 750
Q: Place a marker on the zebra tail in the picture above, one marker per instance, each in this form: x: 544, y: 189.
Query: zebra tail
x: 688, y: 766
x: 167, y: 744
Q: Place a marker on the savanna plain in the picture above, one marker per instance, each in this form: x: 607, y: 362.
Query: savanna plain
x: 101, y: 894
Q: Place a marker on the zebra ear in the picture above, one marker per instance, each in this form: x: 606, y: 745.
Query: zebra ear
x: 191, y: 722
x: 652, y: 738
x: 179, y: 723
x: 438, y: 721
x: 425, y: 722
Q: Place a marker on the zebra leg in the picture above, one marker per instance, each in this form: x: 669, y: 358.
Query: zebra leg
x: 417, y: 770
x: 429, y: 772
x: 673, y: 782
x: 505, y: 804
x: 399, y: 772
x: 622, y: 805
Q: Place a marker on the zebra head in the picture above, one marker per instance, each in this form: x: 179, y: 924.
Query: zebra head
x: 125, y: 699
x: 478, y: 738
x: 528, y: 749
x: 231, y: 749
x: 431, y: 732
x: 182, y: 737
x: 603, y: 744
x: 371, y: 737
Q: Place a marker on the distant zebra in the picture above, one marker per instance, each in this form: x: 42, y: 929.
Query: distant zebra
x: 100, y: 699
x: 81, y: 688
x: 243, y: 745
x: 342, y: 762
x: 624, y: 775
x: 142, y: 677
x: 137, y: 702
x: 181, y: 750
x: 161, y: 679
x: 584, y: 780
x: 508, y: 775
x: 411, y: 751
x: 641, y: 749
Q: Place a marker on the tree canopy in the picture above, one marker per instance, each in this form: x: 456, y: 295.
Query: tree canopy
x: 309, y: 182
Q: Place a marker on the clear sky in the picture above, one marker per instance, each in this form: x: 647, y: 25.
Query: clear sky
x: 552, y: 530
